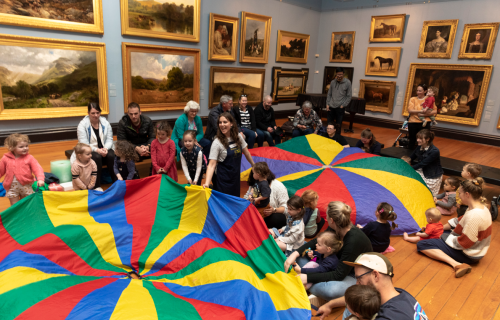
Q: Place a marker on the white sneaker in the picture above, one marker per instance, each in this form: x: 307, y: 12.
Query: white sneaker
x: 98, y: 189
x: 316, y: 301
x: 424, y: 123
x: 434, y: 123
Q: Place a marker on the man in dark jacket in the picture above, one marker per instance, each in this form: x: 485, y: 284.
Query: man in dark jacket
x: 137, y: 129
x: 225, y: 105
x: 264, y: 117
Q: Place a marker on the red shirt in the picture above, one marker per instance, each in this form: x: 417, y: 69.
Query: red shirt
x: 434, y: 230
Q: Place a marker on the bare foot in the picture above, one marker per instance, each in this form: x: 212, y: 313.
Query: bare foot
x: 405, y: 236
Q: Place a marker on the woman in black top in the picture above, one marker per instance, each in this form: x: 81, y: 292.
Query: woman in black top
x: 332, y: 132
x: 426, y: 160
x: 368, y: 143
x: 245, y: 118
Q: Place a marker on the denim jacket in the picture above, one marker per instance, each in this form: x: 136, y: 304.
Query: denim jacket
x: 429, y: 160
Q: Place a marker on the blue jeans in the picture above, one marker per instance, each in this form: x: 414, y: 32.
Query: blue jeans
x: 269, y: 137
x: 250, y: 137
x: 298, y: 132
x: 346, y: 314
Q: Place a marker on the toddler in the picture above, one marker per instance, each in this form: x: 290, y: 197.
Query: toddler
x: 193, y: 163
x: 406, y: 159
x: 125, y: 156
x: 163, y: 151
x: 261, y: 189
x: 433, y: 230
x: 362, y: 301
x: 291, y: 236
x: 428, y: 104
x: 18, y: 166
x: 379, y: 231
x: 312, y: 220
x: 447, y: 205
x: 84, y: 169
x: 470, y: 171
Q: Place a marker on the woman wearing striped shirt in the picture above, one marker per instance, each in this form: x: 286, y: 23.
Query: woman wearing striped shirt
x: 245, y: 118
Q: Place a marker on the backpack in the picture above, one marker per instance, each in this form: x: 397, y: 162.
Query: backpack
x: 287, y: 127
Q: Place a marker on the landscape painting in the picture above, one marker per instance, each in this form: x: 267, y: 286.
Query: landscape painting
x: 330, y: 74
x: 387, y: 28
x: 223, y: 37
x: 292, y: 47
x: 382, y: 61
x: 288, y: 83
x: 255, y: 34
x: 290, y: 86
x: 235, y: 82
x: 167, y: 19
x: 160, y: 78
x: 478, y: 41
x: 379, y: 95
x: 342, y: 46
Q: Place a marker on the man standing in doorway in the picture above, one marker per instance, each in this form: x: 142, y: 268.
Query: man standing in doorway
x: 339, y: 97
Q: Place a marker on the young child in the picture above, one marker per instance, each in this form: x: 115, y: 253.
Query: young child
x: 261, y: 189
x: 362, y: 301
x: 445, y: 202
x: 193, y: 163
x: 291, y: 236
x: 84, y: 169
x: 470, y: 171
x: 18, y: 166
x: 433, y: 229
x: 379, y: 231
x: 125, y: 156
x: 428, y: 104
x: 324, y: 258
x: 312, y: 220
x: 406, y: 159
x: 163, y: 151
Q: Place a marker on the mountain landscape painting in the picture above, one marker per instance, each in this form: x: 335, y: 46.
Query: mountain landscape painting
x: 81, y: 11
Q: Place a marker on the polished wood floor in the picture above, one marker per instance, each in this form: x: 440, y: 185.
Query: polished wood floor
x: 475, y: 296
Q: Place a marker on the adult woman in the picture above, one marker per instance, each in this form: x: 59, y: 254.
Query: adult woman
x: 331, y: 285
x: 427, y: 161
x: 437, y: 45
x: 477, y: 46
x: 304, y: 121
x: 414, y: 108
x: 368, y: 143
x: 225, y: 156
x: 471, y: 236
x: 245, y: 118
x: 332, y: 133
x: 96, y: 131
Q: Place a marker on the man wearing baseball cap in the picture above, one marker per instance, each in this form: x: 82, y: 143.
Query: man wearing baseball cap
x: 375, y: 269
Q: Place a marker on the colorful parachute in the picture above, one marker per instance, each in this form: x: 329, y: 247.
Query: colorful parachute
x: 200, y: 254
x: 350, y: 175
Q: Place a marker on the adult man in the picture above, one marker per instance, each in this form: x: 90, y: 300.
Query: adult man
x: 376, y: 270
x: 264, y: 116
x: 225, y: 105
x: 137, y: 129
x: 219, y: 43
x: 339, y: 97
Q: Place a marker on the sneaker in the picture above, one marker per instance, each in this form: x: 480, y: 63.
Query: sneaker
x: 316, y: 301
x: 98, y: 189
x: 434, y: 123
x: 424, y: 123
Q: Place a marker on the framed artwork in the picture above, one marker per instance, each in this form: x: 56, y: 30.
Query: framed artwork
x: 44, y: 78
x: 235, y: 82
x: 498, y: 125
x: 223, y: 37
x: 437, y: 39
x: 67, y: 15
x: 478, y: 41
x: 160, y: 78
x: 330, y: 74
x: 292, y: 47
x: 165, y: 19
x: 389, y: 28
x: 288, y: 83
x: 342, y: 46
x: 383, y: 62
x: 379, y: 95
x: 462, y: 89
x: 255, y: 35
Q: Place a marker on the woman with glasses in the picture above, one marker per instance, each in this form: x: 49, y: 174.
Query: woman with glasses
x: 245, y: 118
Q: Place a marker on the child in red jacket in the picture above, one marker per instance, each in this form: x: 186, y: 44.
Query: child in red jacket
x: 18, y: 167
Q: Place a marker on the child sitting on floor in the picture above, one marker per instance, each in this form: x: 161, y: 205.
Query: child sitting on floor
x: 84, y: 169
x: 312, y: 220
x: 291, y: 236
x: 445, y: 202
x: 433, y: 230
x: 125, y: 156
x: 362, y: 301
x: 470, y: 171
x: 261, y: 189
x: 379, y: 231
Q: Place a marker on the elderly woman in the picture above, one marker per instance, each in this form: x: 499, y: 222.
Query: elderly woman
x: 414, y: 108
x: 305, y: 120
x: 189, y: 121
x: 427, y: 161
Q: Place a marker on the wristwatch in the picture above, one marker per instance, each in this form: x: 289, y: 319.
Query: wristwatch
x: 274, y: 210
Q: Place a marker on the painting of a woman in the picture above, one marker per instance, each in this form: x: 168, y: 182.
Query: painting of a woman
x: 439, y: 44
x: 477, y: 46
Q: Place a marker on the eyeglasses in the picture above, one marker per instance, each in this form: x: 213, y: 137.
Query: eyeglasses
x: 364, y: 274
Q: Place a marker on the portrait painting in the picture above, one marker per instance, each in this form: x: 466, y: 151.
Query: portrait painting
x: 164, y: 19
x: 235, y: 82
x: 292, y: 47
x: 388, y: 28
x: 254, y: 40
x: 342, y: 46
x: 437, y: 39
x: 330, y: 74
x: 67, y: 15
x: 288, y: 83
x: 461, y: 92
x: 383, y: 61
x: 223, y: 37
x: 379, y: 95
x: 47, y: 78
x: 478, y: 41
x: 160, y: 78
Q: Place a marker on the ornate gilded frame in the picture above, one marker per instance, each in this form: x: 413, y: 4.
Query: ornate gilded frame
x: 379, y: 73
x: 234, y: 40
x: 394, y: 16
x: 498, y: 124
x: 487, y: 69
x: 127, y: 48
x: 268, y: 21
x: 18, y: 20
x: 391, y: 85
x: 462, y: 54
x: 126, y: 30
x: 353, y: 33
x: 294, y: 73
x: 280, y: 58
x: 98, y: 48
x: 451, y: 39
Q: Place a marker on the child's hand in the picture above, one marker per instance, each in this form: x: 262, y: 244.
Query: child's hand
x: 359, y: 226
x: 119, y: 176
x: 297, y: 268
x: 40, y: 183
x: 281, y: 230
x: 310, y: 254
x: 190, y: 182
x: 435, y: 199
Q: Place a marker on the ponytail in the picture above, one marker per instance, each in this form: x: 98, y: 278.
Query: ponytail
x: 340, y: 213
x: 386, y: 212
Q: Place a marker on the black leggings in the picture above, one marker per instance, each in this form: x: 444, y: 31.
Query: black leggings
x: 109, y: 160
x: 275, y: 220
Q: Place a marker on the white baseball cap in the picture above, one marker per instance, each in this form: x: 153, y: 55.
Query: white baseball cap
x: 374, y: 261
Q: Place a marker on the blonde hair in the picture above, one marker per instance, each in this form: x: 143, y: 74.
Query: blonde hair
x: 475, y: 188
x: 340, y: 213
x: 331, y: 240
x: 308, y: 197
x: 434, y: 89
x: 433, y: 213
x: 80, y: 148
x: 13, y: 140
x: 474, y: 169
x: 386, y: 212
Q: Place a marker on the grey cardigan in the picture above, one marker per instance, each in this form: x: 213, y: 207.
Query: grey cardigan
x: 339, y: 94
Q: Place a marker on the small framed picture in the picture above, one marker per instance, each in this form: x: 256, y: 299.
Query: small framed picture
x: 478, y: 41
x: 437, y: 39
x: 255, y: 37
x: 292, y: 47
x: 223, y: 37
x: 389, y: 28
x: 379, y: 95
x: 383, y: 62
x: 342, y: 46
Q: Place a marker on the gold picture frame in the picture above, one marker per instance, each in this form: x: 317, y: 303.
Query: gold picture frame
x: 288, y: 84
x: 59, y: 83
x: 382, y: 61
x: 148, y: 21
x: 487, y: 35
x: 342, y: 52
x: 219, y: 51
x: 257, y: 50
x: 388, y: 28
x: 498, y: 124
x: 154, y: 92
x: 379, y: 95
x: 437, y: 30
x: 41, y: 18
x: 464, y: 98
x: 286, y: 53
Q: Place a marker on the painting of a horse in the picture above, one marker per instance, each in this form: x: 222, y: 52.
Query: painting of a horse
x: 382, y: 61
x: 391, y: 29
x: 377, y: 96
